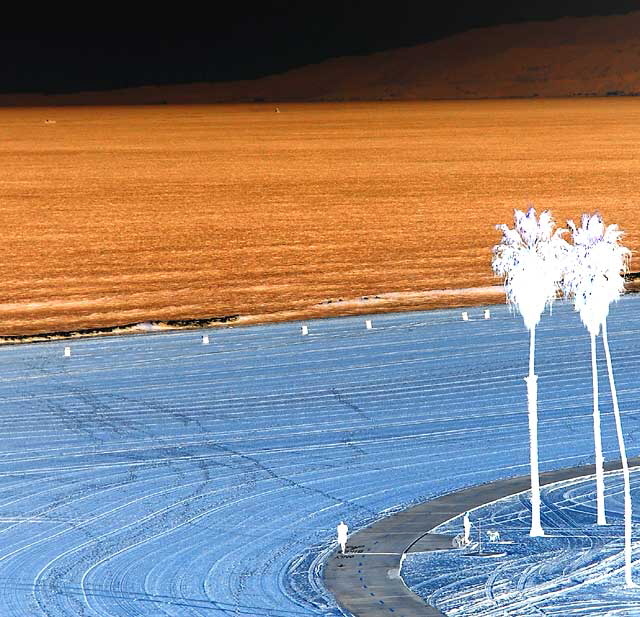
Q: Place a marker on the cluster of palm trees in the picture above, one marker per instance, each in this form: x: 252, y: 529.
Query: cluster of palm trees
x: 538, y: 265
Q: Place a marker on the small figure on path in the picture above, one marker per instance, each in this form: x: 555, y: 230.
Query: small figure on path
x: 467, y: 528
x: 343, y: 529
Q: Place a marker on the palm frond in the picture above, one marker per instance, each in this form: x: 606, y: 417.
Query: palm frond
x: 529, y: 258
x: 594, y: 272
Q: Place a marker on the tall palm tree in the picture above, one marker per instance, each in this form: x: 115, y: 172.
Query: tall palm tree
x: 594, y: 279
x: 530, y: 257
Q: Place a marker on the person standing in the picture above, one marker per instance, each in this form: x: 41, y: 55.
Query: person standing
x: 343, y: 529
x: 467, y: 528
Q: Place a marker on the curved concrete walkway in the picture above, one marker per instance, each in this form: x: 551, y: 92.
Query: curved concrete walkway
x: 366, y: 580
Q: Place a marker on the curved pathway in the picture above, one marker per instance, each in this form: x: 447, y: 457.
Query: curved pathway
x: 366, y: 580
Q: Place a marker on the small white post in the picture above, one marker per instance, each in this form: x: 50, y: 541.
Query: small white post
x: 67, y: 352
x: 304, y: 330
x: 487, y: 314
x: 368, y: 324
x: 465, y: 316
x: 205, y: 339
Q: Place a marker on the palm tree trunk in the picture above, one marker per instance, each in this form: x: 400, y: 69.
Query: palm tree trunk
x: 597, y: 438
x: 625, y: 465
x: 532, y: 399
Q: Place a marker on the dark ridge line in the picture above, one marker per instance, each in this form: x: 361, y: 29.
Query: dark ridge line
x: 43, y: 100
x: 366, y: 581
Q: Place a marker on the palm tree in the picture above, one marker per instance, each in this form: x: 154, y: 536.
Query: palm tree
x: 594, y: 278
x: 529, y: 257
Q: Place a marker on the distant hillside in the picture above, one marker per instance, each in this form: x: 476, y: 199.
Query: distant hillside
x: 592, y: 56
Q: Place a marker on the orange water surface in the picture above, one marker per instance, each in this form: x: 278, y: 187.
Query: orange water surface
x: 112, y: 215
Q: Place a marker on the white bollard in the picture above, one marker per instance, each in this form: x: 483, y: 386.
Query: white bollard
x: 368, y: 324
x: 67, y: 352
x: 205, y: 339
x: 487, y: 314
x: 304, y: 330
x: 465, y: 316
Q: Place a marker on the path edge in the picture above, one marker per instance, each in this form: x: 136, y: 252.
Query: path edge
x: 366, y: 582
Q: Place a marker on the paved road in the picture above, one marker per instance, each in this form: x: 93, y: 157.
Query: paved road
x: 366, y: 581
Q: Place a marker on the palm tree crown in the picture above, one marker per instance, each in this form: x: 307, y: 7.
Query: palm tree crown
x: 594, y: 269
x: 530, y: 258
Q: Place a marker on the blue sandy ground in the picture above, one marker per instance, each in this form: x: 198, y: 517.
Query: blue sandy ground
x: 152, y: 475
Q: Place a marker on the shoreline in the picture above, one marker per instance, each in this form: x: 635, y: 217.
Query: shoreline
x: 389, y: 302
x: 374, y: 304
